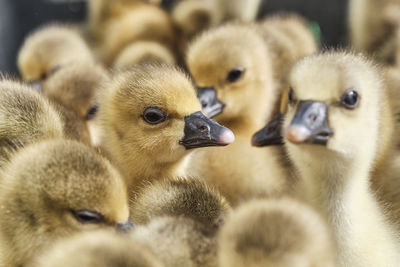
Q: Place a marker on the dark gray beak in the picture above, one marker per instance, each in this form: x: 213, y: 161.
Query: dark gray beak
x: 270, y: 135
x: 201, y: 131
x: 125, y: 227
x: 310, y: 124
x: 210, y: 104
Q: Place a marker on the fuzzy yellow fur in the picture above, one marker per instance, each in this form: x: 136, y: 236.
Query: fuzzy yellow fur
x: 49, y: 47
x: 335, y: 179
x: 275, y: 233
x: 239, y: 170
x: 40, y: 188
x: 180, y: 220
x: 75, y: 88
x: 98, y: 249
x: 372, y: 29
x: 25, y: 118
x: 144, y: 151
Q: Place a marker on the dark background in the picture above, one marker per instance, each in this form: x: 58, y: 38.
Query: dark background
x: 19, y: 17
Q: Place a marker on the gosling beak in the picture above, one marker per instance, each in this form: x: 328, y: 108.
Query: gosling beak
x: 124, y: 227
x: 201, y: 131
x: 270, y: 135
x: 210, y: 104
x: 310, y: 124
x: 37, y: 85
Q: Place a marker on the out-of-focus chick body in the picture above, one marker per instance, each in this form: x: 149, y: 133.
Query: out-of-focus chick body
x: 98, y: 249
x: 51, y: 190
x: 180, y: 219
x: 25, y: 118
x: 275, y: 233
x: 50, y: 47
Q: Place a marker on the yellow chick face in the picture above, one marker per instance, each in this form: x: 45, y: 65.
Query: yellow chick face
x: 231, y: 70
x: 151, y: 114
x: 333, y: 102
x: 55, y: 188
x: 75, y: 86
x: 48, y: 48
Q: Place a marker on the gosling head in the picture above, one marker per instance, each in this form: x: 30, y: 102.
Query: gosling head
x: 75, y: 87
x: 150, y: 114
x: 53, y: 189
x: 49, y: 48
x: 232, y: 72
x: 334, y: 105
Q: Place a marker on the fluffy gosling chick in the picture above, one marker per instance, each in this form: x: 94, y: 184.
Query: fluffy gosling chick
x: 25, y: 118
x: 144, y: 22
x: 331, y: 133
x: 52, y: 189
x: 144, y: 52
x: 179, y: 220
x: 275, y: 233
x: 75, y: 87
x: 50, y: 47
x: 233, y: 71
x: 98, y: 249
x: 151, y: 121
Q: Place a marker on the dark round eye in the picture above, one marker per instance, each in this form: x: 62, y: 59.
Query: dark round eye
x: 154, y: 115
x: 350, y: 99
x: 87, y: 216
x: 291, y: 96
x: 91, y: 112
x: 235, y: 74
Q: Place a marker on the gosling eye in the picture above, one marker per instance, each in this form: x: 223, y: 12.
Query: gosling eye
x: 350, y: 99
x: 91, y: 112
x: 154, y: 115
x: 291, y: 98
x: 235, y: 74
x: 87, y: 216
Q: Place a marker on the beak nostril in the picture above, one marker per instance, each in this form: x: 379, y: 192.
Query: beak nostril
x: 312, y: 117
x: 203, y: 128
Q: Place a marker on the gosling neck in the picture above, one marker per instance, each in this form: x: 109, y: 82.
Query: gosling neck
x: 339, y: 188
